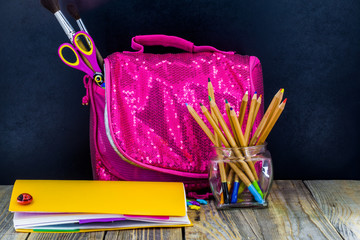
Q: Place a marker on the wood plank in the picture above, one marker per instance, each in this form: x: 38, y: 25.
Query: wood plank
x: 209, y: 223
x: 292, y: 213
x: 340, y: 202
x: 7, y: 230
x: 146, y: 233
x: 69, y: 236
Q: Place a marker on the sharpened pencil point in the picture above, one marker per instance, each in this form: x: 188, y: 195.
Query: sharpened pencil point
x: 209, y: 80
x: 260, y: 95
x: 246, y: 93
x: 231, y: 108
x: 186, y: 104
x: 285, y: 100
x: 226, y: 101
x: 255, y: 92
x: 209, y: 98
x: 282, y: 90
x: 201, y: 104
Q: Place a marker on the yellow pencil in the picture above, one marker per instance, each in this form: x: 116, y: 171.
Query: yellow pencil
x: 215, y: 126
x: 242, y: 141
x: 225, y: 128
x: 230, y: 179
x: 211, y: 93
x: 252, y: 186
x: 243, y: 106
x: 246, y: 181
x: 272, y: 122
x: 225, y: 194
x: 266, y: 116
x: 201, y: 123
x: 227, y: 107
x: 277, y: 103
x: 257, y: 107
x: 231, y: 140
x: 237, y: 128
x: 250, y: 117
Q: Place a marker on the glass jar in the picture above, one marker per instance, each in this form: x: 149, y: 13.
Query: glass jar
x: 241, y: 177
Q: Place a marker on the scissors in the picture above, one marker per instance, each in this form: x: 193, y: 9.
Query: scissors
x: 85, y: 57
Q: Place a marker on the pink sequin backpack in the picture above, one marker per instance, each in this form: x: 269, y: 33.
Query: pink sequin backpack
x: 140, y: 128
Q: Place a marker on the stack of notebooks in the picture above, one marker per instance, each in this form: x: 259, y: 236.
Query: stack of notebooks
x: 83, y: 206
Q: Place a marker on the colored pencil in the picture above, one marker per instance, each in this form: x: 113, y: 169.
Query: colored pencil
x: 243, y: 142
x: 227, y: 107
x: 230, y: 179
x: 247, y: 182
x: 201, y: 123
x: 243, y: 106
x: 277, y: 103
x: 250, y: 117
x: 257, y: 108
x: 272, y: 122
x: 232, y: 142
x: 238, y: 132
x: 225, y: 194
x: 265, y: 117
x: 215, y: 126
x: 211, y: 93
x: 234, y: 195
x: 233, y: 166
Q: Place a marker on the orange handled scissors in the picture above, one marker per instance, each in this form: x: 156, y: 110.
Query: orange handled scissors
x: 80, y: 52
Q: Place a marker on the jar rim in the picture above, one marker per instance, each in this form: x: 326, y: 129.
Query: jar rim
x: 264, y: 145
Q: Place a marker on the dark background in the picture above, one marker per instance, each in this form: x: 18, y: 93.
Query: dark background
x: 310, y: 48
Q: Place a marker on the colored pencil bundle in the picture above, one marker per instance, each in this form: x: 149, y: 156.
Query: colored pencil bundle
x: 242, y: 172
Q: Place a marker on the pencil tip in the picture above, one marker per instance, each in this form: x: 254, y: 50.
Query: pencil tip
x: 186, y: 104
x: 282, y: 90
x: 209, y: 80
x: 226, y: 101
x: 246, y: 93
x: 255, y: 92
x: 201, y: 104
x: 231, y: 108
x: 260, y: 96
x: 285, y: 100
x: 209, y: 98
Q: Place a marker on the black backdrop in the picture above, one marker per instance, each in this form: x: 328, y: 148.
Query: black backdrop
x: 310, y: 48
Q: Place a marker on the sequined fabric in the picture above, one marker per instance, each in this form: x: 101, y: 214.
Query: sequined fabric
x: 146, y: 96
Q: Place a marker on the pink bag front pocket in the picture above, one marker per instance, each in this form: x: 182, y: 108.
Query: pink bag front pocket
x: 147, y: 120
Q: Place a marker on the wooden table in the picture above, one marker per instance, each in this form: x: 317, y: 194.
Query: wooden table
x: 297, y: 210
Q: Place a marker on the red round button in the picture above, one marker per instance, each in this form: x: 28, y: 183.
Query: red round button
x: 24, y: 199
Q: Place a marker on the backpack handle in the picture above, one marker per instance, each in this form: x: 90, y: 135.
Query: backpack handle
x: 138, y: 43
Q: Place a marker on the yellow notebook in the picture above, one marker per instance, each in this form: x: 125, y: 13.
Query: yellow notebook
x: 78, y: 206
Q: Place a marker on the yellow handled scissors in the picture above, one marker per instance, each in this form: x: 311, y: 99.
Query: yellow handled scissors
x: 89, y: 54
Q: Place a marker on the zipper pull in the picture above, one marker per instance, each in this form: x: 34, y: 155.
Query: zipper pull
x: 85, y: 99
